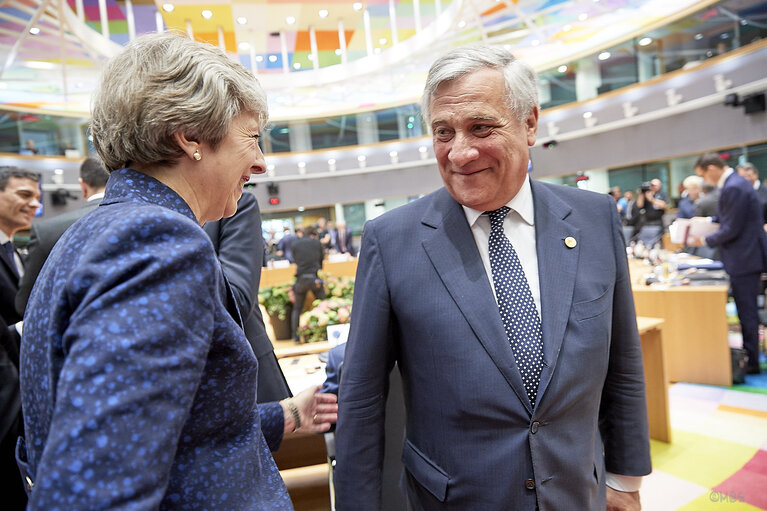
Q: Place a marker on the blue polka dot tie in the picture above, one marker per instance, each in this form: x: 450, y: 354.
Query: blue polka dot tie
x: 516, y: 305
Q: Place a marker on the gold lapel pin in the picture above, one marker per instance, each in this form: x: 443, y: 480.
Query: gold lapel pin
x: 570, y: 242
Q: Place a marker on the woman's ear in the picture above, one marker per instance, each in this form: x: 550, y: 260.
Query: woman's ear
x: 190, y: 147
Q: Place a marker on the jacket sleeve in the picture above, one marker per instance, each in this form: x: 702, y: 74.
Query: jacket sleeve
x: 623, y: 409
x: 368, y: 361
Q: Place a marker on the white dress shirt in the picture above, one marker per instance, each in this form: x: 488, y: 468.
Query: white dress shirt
x: 519, y: 227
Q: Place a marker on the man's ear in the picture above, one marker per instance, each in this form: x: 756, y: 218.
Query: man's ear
x: 531, y: 126
x: 188, y: 146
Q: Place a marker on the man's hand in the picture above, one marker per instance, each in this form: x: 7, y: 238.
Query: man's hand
x: 623, y: 500
x: 695, y: 241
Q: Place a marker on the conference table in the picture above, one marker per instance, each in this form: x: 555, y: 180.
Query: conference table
x: 695, y: 327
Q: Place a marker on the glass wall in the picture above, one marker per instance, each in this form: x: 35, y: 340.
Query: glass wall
x: 707, y: 33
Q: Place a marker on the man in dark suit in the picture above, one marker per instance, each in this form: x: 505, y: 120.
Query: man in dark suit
x: 240, y: 248
x: 43, y: 235
x: 19, y: 199
x: 308, y: 254
x: 750, y: 173
x: 507, y: 407
x: 341, y: 239
x: 742, y: 245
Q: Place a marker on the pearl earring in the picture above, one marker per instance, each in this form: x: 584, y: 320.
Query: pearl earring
x: 196, y: 155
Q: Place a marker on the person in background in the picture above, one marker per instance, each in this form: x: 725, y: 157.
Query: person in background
x: 742, y: 245
x: 708, y: 201
x: 620, y: 200
x: 341, y: 239
x: 238, y: 243
x: 652, y: 205
x: 132, y: 320
x: 43, y: 235
x: 691, y: 193
x: 750, y: 173
x: 507, y: 305
x: 323, y: 228
x: 285, y: 245
x: 308, y: 254
x: 19, y: 199
x: 30, y: 148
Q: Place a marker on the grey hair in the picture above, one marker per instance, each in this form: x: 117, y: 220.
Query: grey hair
x: 161, y: 84
x: 521, y: 80
x: 747, y: 165
x: 692, y: 181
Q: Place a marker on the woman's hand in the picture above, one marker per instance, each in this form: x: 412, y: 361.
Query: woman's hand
x: 316, y: 411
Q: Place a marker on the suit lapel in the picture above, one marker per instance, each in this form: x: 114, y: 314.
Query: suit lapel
x: 9, y: 268
x: 453, y: 252
x: 557, y: 266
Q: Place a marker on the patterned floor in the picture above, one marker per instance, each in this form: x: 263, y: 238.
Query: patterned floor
x: 718, y: 457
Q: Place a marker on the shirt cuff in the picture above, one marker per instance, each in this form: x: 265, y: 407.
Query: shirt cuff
x: 623, y: 483
x: 19, y: 326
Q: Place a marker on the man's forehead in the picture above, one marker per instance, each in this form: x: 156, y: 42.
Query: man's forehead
x: 22, y: 183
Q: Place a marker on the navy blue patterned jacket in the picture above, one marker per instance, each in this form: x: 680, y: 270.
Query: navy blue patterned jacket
x: 138, y: 384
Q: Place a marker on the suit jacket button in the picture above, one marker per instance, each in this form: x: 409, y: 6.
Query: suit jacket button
x: 534, y: 427
x: 530, y: 484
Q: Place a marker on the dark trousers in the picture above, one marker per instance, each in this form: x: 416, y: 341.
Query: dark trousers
x: 304, y: 284
x: 745, y: 289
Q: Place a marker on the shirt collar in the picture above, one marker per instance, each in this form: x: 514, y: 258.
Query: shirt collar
x: 95, y: 196
x: 522, y: 203
x: 4, y: 238
x: 724, y: 177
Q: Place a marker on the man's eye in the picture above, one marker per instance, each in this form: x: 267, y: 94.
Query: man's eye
x: 482, y: 129
x: 255, y: 137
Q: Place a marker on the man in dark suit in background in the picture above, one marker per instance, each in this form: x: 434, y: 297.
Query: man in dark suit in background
x: 742, y: 245
x: 507, y: 305
x: 341, y: 239
x: 308, y: 254
x: 750, y: 173
x: 19, y: 199
x: 43, y: 235
x: 240, y: 248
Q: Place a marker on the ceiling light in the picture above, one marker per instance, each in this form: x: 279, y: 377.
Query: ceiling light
x: 296, y: 65
x: 36, y: 64
x: 270, y: 166
x: 272, y: 58
x: 332, y: 161
x: 242, y: 20
x: 243, y: 46
x: 168, y: 7
x: 290, y: 20
x: 58, y: 172
x: 587, y: 115
x: 323, y: 13
x: 382, y: 41
x: 310, y: 57
x: 338, y: 51
x: 645, y: 41
x: 259, y: 58
x: 582, y: 16
x: 357, y: 6
x: 698, y: 37
x: 461, y: 24
x: 744, y: 22
x: 562, y: 68
x: 301, y: 208
x: 207, y: 14
x: 535, y: 42
x: 34, y: 30
x: 604, y: 55
x: 361, y: 157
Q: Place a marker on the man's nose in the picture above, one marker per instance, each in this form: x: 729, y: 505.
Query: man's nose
x: 462, y: 151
